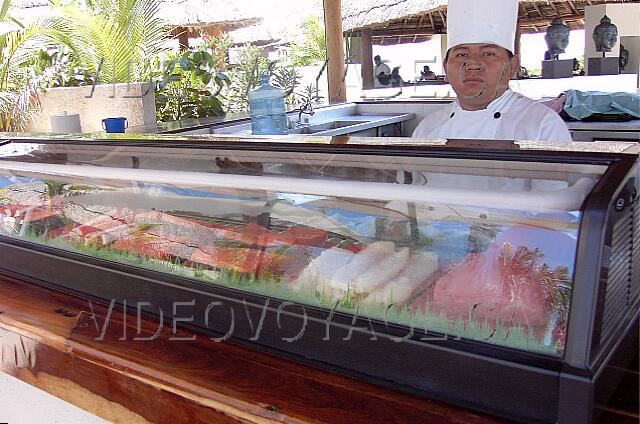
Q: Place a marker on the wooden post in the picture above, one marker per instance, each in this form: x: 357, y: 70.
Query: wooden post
x: 183, y: 38
x: 335, y: 50
x: 367, y: 59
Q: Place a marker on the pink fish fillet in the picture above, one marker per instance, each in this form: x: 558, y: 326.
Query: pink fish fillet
x: 482, y: 288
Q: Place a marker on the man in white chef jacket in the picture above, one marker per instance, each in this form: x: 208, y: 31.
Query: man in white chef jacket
x: 478, y: 65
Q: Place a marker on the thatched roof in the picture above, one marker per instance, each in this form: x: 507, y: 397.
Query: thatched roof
x: 202, y: 13
x: 281, y: 20
x: 401, y: 21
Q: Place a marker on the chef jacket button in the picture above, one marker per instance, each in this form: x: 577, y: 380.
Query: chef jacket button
x: 452, y: 115
x: 497, y: 115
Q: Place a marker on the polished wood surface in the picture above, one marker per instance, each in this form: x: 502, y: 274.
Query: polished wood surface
x: 60, y: 343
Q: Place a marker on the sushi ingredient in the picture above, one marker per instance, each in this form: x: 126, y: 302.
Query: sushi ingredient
x: 151, y: 247
x: 345, y: 277
x: 419, y: 267
x: 321, y: 269
x: 380, y: 273
x: 243, y: 260
x: 505, y: 283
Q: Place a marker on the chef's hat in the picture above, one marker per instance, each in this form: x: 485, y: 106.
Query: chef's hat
x: 482, y: 21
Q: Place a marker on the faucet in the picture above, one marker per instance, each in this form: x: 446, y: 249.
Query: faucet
x: 304, y: 108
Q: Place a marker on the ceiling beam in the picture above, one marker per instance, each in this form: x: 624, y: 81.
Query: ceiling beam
x: 403, y: 32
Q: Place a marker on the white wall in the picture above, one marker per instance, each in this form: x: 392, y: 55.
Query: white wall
x: 107, y: 101
x: 625, y: 16
x: 534, y: 88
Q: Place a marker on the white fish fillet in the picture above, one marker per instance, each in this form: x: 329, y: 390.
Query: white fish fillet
x: 380, y: 273
x: 344, y: 278
x: 322, y: 268
x: 419, y: 267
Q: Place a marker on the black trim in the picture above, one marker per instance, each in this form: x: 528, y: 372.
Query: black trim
x: 507, y: 382
x: 520, y: 155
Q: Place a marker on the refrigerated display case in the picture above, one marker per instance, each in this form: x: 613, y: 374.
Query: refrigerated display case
x: 502, y: 279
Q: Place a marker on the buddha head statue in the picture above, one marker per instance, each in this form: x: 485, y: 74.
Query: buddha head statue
x: 557, y: 37
x: 624, y: 57
x: 605, y: 35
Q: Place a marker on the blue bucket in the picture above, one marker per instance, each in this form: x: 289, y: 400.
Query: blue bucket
x: 115, y: 125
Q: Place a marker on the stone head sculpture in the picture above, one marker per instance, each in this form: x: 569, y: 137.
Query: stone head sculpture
x: 624, y: 57
x: 557, y: 38
x: 605, y: 35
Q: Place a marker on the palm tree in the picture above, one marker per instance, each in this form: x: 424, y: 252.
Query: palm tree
x: 18, y: 92
x: 114, y: 39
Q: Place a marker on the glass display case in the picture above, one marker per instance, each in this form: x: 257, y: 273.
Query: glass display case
x: 411, y: 266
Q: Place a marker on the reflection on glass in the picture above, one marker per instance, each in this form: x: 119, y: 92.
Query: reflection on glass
x: 436, y: 257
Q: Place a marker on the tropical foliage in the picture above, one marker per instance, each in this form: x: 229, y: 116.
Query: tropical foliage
x: 59, y: 68
x: 309, y: 46
x: 189, y: 87
x: 114, y: 39
x: 18, y: 83
x: 245, y: 76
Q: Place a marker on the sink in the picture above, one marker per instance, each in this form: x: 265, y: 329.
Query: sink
x: 327, y: 126
x: 340, y: 125
x: 335, y: 125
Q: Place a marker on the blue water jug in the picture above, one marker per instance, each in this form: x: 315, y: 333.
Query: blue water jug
x: 268, y: 113
x: 114, y: 125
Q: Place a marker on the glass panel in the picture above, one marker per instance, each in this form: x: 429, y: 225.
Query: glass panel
x: 482, y: 250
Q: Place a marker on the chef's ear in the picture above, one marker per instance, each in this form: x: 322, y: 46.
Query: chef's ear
x: 514, y: 62
x: 444, y: 66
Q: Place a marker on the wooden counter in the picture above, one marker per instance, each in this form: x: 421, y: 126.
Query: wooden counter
x: 60, y: 343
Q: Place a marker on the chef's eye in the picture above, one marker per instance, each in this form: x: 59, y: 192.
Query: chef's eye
x: 489, y: 54
x: 461, y: 54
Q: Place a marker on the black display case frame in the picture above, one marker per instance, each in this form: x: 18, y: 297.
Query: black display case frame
x: 519, y: 385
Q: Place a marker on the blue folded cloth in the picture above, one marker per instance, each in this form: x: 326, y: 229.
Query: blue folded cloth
x: 580, y: 105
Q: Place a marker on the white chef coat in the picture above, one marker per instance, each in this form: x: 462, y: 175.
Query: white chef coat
x: 511, y: 116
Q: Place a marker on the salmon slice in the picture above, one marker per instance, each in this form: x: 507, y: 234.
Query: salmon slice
x: 243, y: 260
x: 153, y: 247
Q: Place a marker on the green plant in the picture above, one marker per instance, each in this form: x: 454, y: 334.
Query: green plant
x: 245, y: 76
x: 18, y: 87
x: 219, y: 48
x: 189, y: 87
x: 60, y: 68
x: 114, y: 40
x: 288, y: 79
x: 309, y: 46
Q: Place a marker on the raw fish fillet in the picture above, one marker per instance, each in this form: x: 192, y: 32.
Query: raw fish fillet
x: 380, y: 273
x: 243, y: 260
x: 485, y: 288
x: 523, y: 278
x: 397, y: 291
x: 320, y: 270
x: 152, y: 247
x: 340, y: 282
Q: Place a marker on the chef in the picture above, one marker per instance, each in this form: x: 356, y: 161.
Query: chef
x: 478, y: 65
